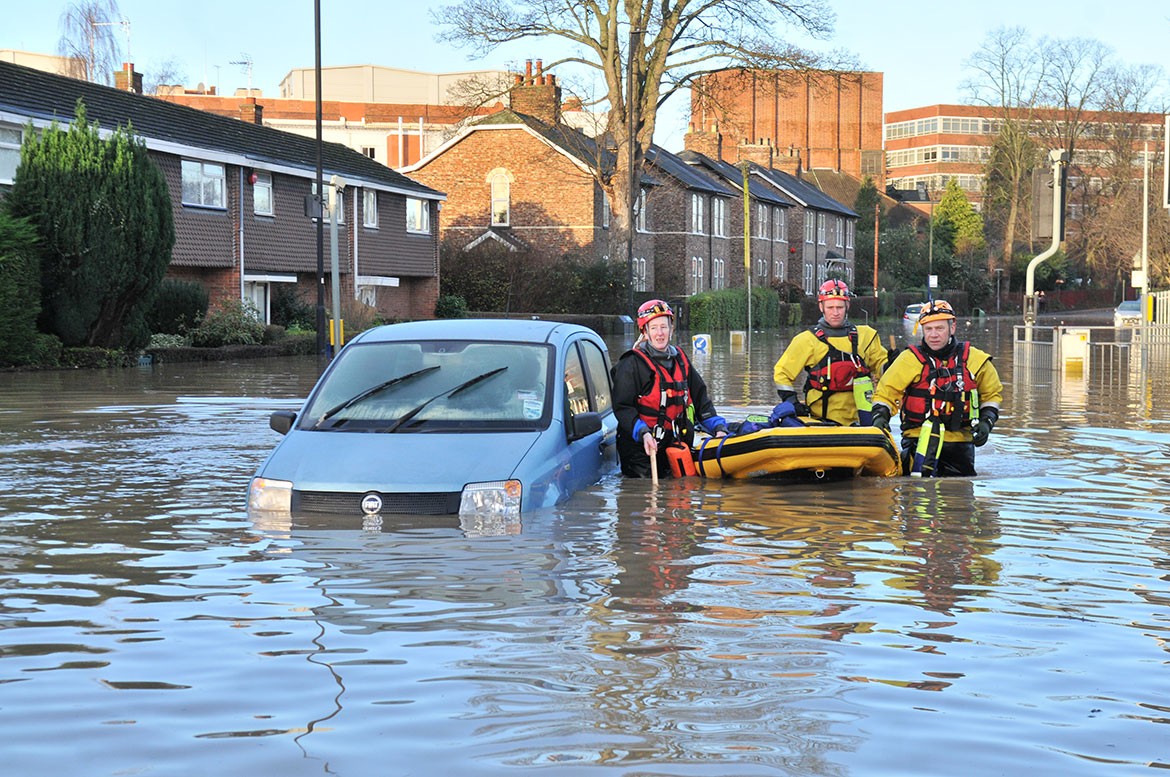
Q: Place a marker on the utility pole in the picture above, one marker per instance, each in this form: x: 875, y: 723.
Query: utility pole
x: 877, y: 209
x: 632, y: 196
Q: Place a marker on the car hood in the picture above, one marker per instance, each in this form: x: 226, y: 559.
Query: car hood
x: 390, y: 463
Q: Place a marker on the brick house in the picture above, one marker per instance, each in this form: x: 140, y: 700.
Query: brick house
x: 239, y: 193
x: 769, y: 212
x: 691, y: 228
x: 800, y: 234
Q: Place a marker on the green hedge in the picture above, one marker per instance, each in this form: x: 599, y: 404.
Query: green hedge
x: 714, y: 311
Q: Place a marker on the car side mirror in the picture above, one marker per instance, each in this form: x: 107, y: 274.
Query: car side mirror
x: 583, y: 425
x: 282, y: 420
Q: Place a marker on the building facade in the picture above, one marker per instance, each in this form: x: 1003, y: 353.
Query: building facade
x: 241, y: 195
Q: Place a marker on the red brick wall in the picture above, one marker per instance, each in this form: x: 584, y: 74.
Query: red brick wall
x: 552, y: 199
x: 832, y: 117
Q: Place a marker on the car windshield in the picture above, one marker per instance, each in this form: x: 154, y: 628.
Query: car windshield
x: 415, y: 386
x: 1129, y: 306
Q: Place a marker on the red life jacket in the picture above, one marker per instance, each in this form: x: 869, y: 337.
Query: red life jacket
x: 943, y: 390
x: 665, y: 404
x: 838, y: 369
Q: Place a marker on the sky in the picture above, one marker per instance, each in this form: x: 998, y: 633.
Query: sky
x: 920, y: 48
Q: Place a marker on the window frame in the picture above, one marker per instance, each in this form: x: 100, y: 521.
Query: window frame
x: 10, y: 149
x: 263, y: 183
x: 370, y: 208
x: 208, y: 173
x: 424, y: 213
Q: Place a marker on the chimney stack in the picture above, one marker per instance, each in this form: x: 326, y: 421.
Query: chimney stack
x: 709, y: 144
x: 127, y: 79
x: 537, y: 95
x: 760, y: 153
x: 251, y: 112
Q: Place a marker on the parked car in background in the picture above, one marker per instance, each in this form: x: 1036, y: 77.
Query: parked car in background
x: 464, y: 416
x: 910, y: 315
x: 1128, y: 313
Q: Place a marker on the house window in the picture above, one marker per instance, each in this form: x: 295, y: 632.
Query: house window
x: 369, y: 151
x: 697, y: 214
x: 9, y: 153
x: 762, y: 229
x: 370, y: 208
x: 640, y: 219
x: 778, y: 270
x: 809, y: 222
x: 840, y: 230
x: 718, y: 217
x: 639, y: 270
x: 501, y: 185
x: 604, y: 212
x: 418, y: 216
x: 718, y: 273
x: 262, y: 194
x: 820, y: 229
x: 780, y: 225
x: 695, y: 282
x: 203, y: 184
x: 849, y: 227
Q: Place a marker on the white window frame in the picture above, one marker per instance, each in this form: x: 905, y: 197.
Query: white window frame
x: 696, y: 213
x: 840, y: 230
x: 780, y: 225
x: 500, y: 185
x: 718, y: 217
x: 697, y: 275
x: 640, y: 216
x: 762, y: 229
x: 604, y: 212
x: 370, y: 208
x: 418, y: 216
x: 11, y: 139
x: 206, y: 178
x: 262, y: 193
x: 809, y: 225
x: 821, y: 229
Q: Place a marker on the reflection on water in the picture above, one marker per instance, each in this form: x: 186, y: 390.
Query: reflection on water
x: 1015, y: 621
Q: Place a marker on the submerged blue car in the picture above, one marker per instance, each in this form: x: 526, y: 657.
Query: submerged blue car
x: 442, y: 417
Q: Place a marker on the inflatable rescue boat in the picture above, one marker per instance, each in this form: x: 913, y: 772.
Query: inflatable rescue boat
x: 817, y: 451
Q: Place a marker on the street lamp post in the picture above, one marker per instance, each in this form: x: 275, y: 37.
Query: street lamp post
x: 930, y: 256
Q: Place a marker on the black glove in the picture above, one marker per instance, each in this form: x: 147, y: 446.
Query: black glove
x: 880, y: 417
x: 982, y: 429
x: 892, y: 354
x: 799, y: 407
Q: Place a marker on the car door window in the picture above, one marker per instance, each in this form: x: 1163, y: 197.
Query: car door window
x: 576, y: 390
x: 598, y: 369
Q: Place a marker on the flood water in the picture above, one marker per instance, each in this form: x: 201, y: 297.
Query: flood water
x: 1017, y: 622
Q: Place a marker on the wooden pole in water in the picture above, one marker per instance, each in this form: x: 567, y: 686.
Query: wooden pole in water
x: 654, y: 468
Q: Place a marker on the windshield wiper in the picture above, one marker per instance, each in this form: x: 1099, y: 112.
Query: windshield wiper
x: 370, y: 392
x: 448, y: 393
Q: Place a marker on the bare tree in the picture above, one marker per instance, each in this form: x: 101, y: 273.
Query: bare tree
x: 89, y: 38
x: 658, y: 46
x: 1009, y: 73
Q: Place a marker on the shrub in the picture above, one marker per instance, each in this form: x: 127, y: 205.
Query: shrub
x: 177, y: 308
x: 290, y: 310
x: 727, y: 309
x: 234, y: 322
x: 451, y: 306
x: 20, y: 290
x: 167, y: 341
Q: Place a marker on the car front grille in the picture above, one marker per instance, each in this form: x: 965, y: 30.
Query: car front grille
x: 341, y: 503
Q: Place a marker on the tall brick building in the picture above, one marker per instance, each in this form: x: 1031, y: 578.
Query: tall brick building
x: 831, y: 119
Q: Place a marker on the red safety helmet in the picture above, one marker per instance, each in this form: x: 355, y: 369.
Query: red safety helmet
x: 833, y: 289
x: 936, y: 310
x: 652, y: 309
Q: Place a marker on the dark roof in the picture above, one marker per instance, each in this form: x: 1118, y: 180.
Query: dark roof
x: 734, y: 177
x: 685, y: 174
x: 570, y: 139
x: 44, y: 97
x: 802, y: 191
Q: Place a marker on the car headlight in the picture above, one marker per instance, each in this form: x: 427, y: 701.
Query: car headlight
x: 270, y: 496
x: 500, y: 497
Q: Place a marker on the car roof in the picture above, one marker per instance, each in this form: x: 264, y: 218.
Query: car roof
x: 511, y: 330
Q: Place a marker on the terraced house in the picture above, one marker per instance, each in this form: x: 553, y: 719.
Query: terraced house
x: 240, y: 193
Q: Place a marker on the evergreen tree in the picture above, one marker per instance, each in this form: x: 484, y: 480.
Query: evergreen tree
x: 20, y: 299
x: 866, y: 202
x: 959, y: 222
x: 103, y: 213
